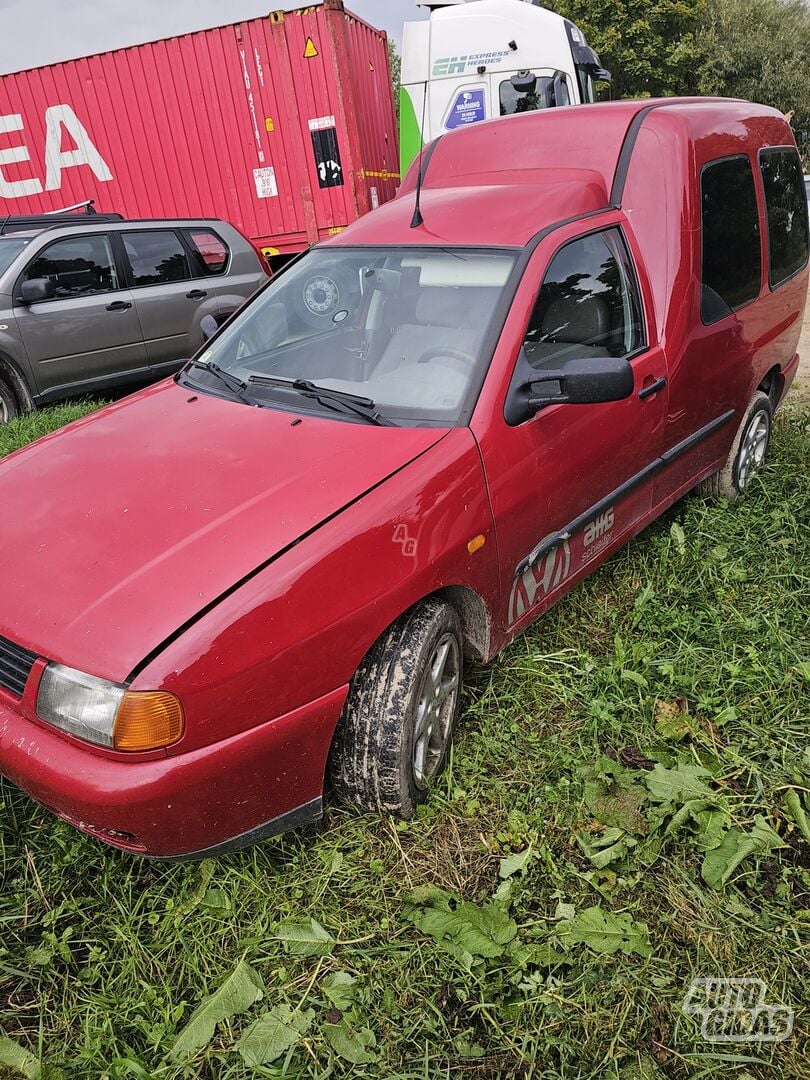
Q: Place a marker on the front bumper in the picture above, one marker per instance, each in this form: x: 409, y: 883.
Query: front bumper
x: 207, y: 801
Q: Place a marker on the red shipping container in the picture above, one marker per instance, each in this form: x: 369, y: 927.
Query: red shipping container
x: 284, y: 126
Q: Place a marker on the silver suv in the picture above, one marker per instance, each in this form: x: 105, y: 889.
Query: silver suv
x: 88, y: 306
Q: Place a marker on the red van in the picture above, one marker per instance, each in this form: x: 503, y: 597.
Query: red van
x: 268, y: 572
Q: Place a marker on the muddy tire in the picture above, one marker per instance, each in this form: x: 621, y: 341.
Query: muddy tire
x: 747, y: 452
x: 397, y: 726
x: 9, y: 407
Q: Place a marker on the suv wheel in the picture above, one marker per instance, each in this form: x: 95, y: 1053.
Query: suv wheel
x: 747, y: 453
x: 8, y: 403
x: 397, y: 726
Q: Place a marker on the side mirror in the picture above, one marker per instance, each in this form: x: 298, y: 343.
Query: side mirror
x: 589, y: 381
x: 209, y: 326
x: 36, y: 290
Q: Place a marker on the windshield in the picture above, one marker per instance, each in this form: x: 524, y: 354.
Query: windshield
x: 404, y: 329
x: 10, y: 248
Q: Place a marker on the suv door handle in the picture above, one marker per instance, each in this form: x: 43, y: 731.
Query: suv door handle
x: 119, y: 305
x: 196, y: 294
x: 653, y: 388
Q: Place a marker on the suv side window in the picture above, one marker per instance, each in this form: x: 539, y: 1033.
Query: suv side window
x: 731, y: 274
x: 588, y: 306
x: 157, y: 257
x: 786, y: 207
x: 210, y: 251
x: 78, y: 266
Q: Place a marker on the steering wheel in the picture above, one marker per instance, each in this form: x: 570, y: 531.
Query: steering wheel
x: 447, y: 353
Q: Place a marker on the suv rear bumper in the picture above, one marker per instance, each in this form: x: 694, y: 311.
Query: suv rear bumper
x: 227, y: 795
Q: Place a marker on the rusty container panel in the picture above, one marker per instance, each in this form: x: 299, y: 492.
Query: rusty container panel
x: 284, y: 126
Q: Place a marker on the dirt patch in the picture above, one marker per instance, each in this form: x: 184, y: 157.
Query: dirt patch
x: 801, y: 384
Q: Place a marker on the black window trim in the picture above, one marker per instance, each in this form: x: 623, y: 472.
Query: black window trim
x: 757, y: 190
x: 177, y: 231
x: 630, y: 266
x: 123, y: 285
x: 777, y: 150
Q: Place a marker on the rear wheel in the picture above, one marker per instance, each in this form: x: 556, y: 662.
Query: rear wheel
x: 395, y: 733
x: 9, y: 408
x: 747, y: 454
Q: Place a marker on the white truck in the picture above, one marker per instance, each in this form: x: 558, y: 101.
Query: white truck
x: 478, y: 59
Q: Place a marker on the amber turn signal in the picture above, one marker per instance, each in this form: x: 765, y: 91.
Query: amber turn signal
x: 476, y: 544
x: 148, y: 721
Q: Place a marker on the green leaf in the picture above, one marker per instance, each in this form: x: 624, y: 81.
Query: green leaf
x: 16, y: 1057
x: 241, y: 989
x: 617, y: 804
x: 304, y: 937
x: 679, y: 785
x: 350, y: 1044
x: 720, y: 863
x: 605, y: 932
x: 465, y: 930
x: 340, y: 988
x: 273, y: 1034
x: 602, y: 850
x: 795, y: 810
x: 678, y: 535
x: 515, y: 864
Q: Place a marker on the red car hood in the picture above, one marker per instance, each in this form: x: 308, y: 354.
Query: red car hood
x: 117, y: 530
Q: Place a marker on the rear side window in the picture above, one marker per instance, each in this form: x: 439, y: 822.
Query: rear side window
x: 786, y: 206
x: 80, y: 266
x: 588, y: 306
x: 210, y: 251
x: 156, y: 257
x: 731, y: 256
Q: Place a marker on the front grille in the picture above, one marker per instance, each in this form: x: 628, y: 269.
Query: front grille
x: 15, y: 666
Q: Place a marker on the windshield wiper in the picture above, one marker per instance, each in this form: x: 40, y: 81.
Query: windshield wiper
x: 233, y: 383
x: 341, y: 400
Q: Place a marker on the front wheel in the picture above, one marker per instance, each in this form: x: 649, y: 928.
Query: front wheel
x: 397, y: 726
x: 747, y: 454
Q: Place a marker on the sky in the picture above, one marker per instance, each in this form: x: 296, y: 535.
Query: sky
x: 39, y: 32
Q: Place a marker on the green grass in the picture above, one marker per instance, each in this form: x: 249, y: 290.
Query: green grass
x: 686, y: 651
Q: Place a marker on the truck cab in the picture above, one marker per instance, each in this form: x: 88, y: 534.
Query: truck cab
x: 477, y: 60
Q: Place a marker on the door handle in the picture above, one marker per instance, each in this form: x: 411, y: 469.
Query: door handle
x: 653, y: 388
x: 196, y: 294
x: 119, y: 305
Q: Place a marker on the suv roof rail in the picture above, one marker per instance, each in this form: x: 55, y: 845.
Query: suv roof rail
x: 51, y: 219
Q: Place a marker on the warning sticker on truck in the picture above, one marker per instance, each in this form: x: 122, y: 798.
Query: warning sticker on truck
x: 265, y: 181
x: 468, y: 108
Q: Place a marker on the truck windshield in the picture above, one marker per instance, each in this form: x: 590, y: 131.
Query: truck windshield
x: 402, y: 328
x: 10, y: 248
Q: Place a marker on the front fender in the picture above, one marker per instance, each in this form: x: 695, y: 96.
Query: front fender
x: 299, y: 628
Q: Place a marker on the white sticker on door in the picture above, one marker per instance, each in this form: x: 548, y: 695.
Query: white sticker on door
x: 265, y: 181
x: 319, y: 123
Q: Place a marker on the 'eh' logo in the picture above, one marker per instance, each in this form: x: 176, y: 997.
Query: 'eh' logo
x: 451, y: 65
x: 597, y: 529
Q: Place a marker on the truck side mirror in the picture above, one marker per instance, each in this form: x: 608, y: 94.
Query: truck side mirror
x: 589, y: 381
x: 36, y: 290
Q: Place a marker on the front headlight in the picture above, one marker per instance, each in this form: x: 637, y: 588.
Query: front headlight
x: 107, y: 713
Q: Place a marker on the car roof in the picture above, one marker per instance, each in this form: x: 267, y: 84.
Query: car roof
x: 501, y: 182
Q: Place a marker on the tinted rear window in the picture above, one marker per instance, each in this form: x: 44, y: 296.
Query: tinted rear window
x: 786, y: 204
x: 157, y: 258
x: 732, y: 261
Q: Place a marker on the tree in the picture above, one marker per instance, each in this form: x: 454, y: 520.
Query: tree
x: 395, y: 63
x: 759, y: 50
x: 648, y: 45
